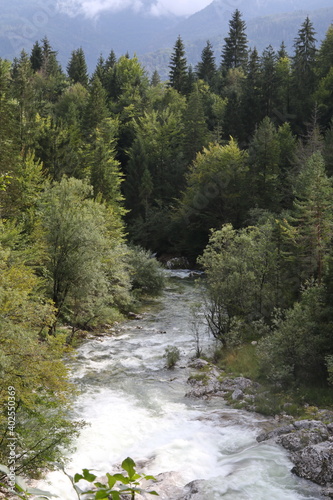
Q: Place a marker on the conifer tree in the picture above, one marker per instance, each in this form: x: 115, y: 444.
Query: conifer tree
x: 36, y: 57
x: 234, y: 52
x: 77, y: 67
x: 303, y: 72
x: 155, y: 79
x: 269, y: 83
x: 96, y: 109
x: 264, y: 154
x: 206, y: 68
x: 178, y: 67
x: 195, y: 127
x: 251, y: 98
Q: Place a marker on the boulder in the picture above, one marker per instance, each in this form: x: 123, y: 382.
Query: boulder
x: 237, y: 395
x: 315, y: 462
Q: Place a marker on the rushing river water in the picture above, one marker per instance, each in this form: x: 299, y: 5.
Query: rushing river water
x: 136, y: 407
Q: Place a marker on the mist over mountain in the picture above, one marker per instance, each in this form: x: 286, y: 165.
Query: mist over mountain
x: 149, y: 28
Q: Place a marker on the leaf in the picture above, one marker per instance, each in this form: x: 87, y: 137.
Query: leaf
x: 78, y: 477
x: 88, y: 476
x: 129, y: 466
x: 115, y: 495
x: 153, y: 493
x: 121, y: 478
x: 149, y: 477
x: 111, y: 480
x: 100, y: 485
x: 102, y: 495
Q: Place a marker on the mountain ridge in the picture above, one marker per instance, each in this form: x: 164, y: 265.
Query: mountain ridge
x: 151, y: 38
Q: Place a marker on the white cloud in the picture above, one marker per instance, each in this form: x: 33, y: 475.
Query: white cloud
x: 178, y: 7
x: 92, y: 8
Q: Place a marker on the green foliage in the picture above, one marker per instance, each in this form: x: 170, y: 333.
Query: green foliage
x: 234, y: 53
x: 172, y: 355
x: 241, y: 269
x: 146, y: 273
x: 117, y: 484
x: 295, y: 351
x: 83, y: 253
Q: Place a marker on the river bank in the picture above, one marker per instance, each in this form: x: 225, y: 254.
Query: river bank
x: 308, y: 441
x: 198, y: 448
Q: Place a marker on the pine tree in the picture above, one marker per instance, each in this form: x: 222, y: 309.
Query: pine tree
x: 206, y: 68
x: 50, y: 66
x: 303, y: 72
x: 195, y: 127
x: 155, y: 79
x: 269, y: 82
x: 312, y: 217
x: 234, y: 52
x: 77, y: 67
x: 96, y: 108
x: 36, y: 57
x: 251, y: 98
x: 23, y: 91
x: 264, y: 154
x: 178, y: 67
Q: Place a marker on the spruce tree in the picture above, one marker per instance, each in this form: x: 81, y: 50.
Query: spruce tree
x: 251, y: 98
x: 303, y: 72
x: 206, y: 68
x: 178, y: 67
x: 36, y: 57
x: 234, y: 52
x: 77, y: 67
x: 269, y: 83
x: 195, y: 127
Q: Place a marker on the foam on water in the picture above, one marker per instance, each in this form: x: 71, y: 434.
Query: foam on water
x: 135, y: 407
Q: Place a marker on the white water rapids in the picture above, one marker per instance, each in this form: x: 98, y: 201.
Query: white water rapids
x: 136, y: 407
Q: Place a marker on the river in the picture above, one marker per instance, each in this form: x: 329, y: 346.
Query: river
x: 136, y: 407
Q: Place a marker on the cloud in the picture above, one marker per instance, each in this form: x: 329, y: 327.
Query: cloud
x: 92, y: 8
x: 178, y: 7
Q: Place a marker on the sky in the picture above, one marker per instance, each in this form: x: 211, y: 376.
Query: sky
x: 92, y: 8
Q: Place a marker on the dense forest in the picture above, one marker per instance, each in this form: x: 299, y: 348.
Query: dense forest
x: 228, y: 164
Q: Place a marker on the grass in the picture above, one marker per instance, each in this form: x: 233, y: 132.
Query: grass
x: 241, y: 361
x: 302, y: 401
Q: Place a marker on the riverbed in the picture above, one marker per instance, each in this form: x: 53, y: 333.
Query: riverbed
x: 134, y: 406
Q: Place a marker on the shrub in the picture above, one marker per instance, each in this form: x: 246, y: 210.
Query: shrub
x: 146, y: 272
x: 172, y: 355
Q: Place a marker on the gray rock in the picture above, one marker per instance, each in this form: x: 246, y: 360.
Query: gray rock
x: 264, y: 436
x: 237, y: 395
x: 310, y: 424
x: 198, y: 364
x: 315, y: 462
x: 296, y: 441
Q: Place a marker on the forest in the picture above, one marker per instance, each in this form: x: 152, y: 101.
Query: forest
x: 228, y: 164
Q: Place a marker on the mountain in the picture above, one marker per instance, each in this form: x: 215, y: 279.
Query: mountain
x: 152, y: 38
x: 213, y: 24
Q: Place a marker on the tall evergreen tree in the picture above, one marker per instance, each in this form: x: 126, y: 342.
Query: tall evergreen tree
x: 234, y: 52
x: 77, y: 67
x: 303, y: 72
x: 269, y: 82
x: 36, y: 57
x: 265, y: 172
x: 178, y: 67
x: 251, y: 98
x: 206, y: 68
x: 195, y: 127
x: 96, y: 109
